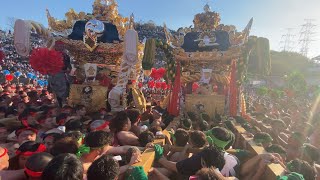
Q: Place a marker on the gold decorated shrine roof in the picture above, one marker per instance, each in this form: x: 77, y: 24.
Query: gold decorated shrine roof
x: 208, y: 39
x: 208, y: 20
x: 103, y: 10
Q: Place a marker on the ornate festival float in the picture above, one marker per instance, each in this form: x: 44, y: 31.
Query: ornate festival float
x: 104, y: 50
x: 213, y: 59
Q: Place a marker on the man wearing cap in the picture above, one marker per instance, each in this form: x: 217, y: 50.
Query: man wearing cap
x: 223, y: 138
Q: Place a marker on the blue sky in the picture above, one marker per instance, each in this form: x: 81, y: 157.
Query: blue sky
x: 271, y: 17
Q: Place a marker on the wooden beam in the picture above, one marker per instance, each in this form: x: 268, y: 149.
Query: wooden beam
x: 148, y: 155
x: 273, y: 170
x: 147, y: 159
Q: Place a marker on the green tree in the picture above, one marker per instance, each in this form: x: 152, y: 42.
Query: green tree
x: 283, y: 63
x: 296, y: 82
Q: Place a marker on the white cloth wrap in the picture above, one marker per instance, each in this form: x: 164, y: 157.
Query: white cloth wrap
x: 22, y: 37
x: 228, y: 168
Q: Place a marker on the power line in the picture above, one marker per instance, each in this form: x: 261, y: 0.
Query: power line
x: 306, y: 36
x: 287, y: 42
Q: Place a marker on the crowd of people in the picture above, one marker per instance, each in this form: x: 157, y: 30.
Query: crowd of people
x: 54, y: 142
x: 149, y: 30
x: 288, y: 126
x: 14, y: 62
x: 45, y: 141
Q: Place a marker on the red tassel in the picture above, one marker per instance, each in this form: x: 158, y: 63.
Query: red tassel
x: 46, y: 61
x: 161, y: 72
x: 154, y: 73
x: 151, y: 84
x: 164, y: 85
x: 158, y: 85
x: 157, y: 74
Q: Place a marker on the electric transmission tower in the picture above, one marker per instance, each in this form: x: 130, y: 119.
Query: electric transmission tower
x: 287, y: 42
x: 306, y: 36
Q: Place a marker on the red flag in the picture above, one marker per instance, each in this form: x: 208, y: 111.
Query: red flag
x: 174, y: 105
x: 233, y: 90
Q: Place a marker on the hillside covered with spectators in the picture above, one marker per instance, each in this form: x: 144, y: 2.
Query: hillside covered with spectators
x: 14, y: 62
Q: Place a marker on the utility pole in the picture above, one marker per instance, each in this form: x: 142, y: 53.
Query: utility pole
x: 286, y: 43
x: 306, y: 36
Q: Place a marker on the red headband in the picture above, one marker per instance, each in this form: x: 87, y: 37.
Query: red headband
x: 32, y: 173
x: 102, y: 109
x: 33, y: 114
x: 193, y: 178
x: 42, y: 120
x: 25, y: 122
x: 61, y: 122
x: 59, y: 43
x: 4, y: 153
x: 139, y: 117
x: 28, y: 128
x: 41, y: 148
x: 104, y: 125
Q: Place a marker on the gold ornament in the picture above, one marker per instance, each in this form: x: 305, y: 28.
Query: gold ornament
x: 93, y: 29
x: 91, y: 71
x: 206, y: 21
x: 104, y: 10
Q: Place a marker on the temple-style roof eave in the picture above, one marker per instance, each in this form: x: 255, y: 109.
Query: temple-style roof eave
x: 232, y: 53
x: 103, y: 10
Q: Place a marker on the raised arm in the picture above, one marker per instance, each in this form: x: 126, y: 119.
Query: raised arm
x: 127, y: 138
x: 168, y: 164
